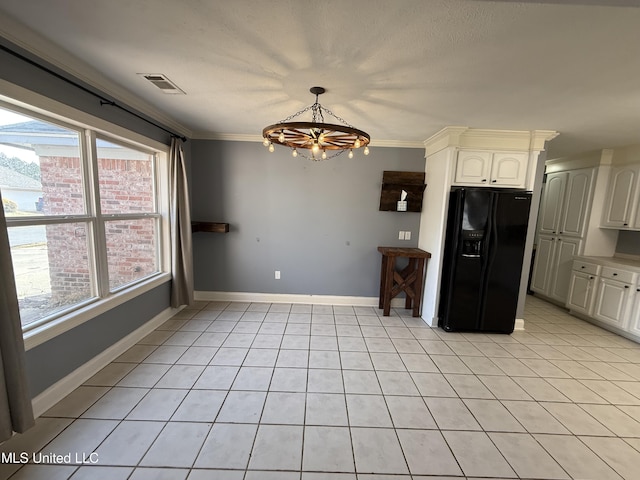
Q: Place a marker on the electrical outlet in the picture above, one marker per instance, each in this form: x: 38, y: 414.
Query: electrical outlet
x: 277, y: 274
x: 401, y: 235
x: 407, y: 235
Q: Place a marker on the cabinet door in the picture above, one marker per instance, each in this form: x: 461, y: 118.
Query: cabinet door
x: 576, y: 204
x: 509, y: 169
x: 581, y: 292
x: 566, y: 249
x: 472, y: 168
x: 611, y: 302
x: 551, y: 208
x: 542, y: 264
x: 621, y: 194
x: 634, y: 323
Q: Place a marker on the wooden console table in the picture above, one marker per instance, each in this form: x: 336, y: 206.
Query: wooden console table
x: 409, y: 280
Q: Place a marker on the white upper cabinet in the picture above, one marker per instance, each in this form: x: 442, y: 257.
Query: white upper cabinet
x: 621, y: 203
x: 577, y: 200
x: 494, y: 169
x: 551, y: 208
x: 566, y: 202
x: 509, y: 169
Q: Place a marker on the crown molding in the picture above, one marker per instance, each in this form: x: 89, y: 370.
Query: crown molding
x: 239, y: 137
x: 26, y: 38
x: 489, y: 139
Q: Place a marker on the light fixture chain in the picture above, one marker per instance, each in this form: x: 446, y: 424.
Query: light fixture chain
x: 290, y: 117
x: 336, y: 116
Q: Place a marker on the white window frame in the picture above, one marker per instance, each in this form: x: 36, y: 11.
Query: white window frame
x: 29, y: 103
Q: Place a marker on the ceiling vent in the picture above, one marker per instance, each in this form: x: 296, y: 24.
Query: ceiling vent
x: 163, y: 83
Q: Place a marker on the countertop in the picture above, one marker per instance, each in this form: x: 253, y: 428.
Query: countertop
x: 629, y: 263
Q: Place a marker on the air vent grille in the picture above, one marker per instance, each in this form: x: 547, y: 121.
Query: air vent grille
x: 162, y: 82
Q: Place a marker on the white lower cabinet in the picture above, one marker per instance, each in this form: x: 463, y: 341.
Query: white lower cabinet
x: 607, y: 293
x: 581, y: 291
x: 611, y: 302
x: 552, y: 268
x: 634, y: 321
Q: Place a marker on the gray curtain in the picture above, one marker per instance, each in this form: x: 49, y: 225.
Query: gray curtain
x: 16, y: 413
x: 181, y: 245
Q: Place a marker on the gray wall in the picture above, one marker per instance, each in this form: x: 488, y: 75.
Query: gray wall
x: 316, y: 222
x: 53, y: 360
x: 628, y: 243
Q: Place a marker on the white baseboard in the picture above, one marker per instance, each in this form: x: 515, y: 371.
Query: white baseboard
x: 56, y: 392
x: 519, y: 324
x: 293, y: 298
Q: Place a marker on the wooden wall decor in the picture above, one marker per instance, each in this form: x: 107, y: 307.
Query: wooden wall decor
x: 211, y: 227
x: 393, y: 183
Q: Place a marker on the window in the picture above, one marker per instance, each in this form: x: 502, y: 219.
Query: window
x: 83, y: 215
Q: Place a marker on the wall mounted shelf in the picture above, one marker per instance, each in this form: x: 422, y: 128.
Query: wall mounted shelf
x: 393, y: 183
x: 210, y: 227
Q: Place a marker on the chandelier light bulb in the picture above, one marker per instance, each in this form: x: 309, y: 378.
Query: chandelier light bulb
x: 356, y: 143
x: 266, y: 142
x: 281, y: 137
x: 294, y: 153
x: 350, y: 153
x: 271, y: 148
x: 321, y: 138
x: 366, y: 150
x: 316, y: 148
x: 324, y: 154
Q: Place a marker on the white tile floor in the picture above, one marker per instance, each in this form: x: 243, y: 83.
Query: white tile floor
x: 308, y: 392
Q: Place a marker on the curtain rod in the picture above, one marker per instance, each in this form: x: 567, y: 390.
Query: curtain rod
x: 103, y: 100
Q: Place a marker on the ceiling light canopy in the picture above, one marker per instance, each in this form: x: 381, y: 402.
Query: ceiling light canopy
x: 324, y: 140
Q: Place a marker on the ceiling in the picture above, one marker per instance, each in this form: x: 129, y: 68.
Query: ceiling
x: 400, y: 70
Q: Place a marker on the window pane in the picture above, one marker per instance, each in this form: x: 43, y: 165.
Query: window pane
x: 131, y: 250
x: 40, y: 167
x: 51, y: 267
x: 126, y: 179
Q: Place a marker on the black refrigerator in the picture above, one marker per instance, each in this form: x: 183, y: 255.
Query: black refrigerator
x: 484, y: 250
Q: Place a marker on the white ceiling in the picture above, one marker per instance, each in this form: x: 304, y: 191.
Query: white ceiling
x: 399, y: 69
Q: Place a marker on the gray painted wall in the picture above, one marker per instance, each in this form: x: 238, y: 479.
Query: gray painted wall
x: 628, y: 243
x: 53, y: 360
x: 316, y: 222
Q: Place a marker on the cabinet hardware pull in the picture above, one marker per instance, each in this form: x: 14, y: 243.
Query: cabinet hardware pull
x: 493, y: 181
x: 615, y: 274
x: 626, y: 286
x: 590, y: 278
x: 582, y: 266
x: 625, y: 224
x: 484, y: 179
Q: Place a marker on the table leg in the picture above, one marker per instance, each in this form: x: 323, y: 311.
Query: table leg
x: 418, y: 287
x: 383, y: 273
x: 410, y: 269
x: 388, y: 285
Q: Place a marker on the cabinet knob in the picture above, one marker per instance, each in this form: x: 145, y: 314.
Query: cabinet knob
x: 484, y: 179
x: 626, y: 286
x: 590, y: 278
x: 582, y: 267
x: 493, y: 181
x: 615, y: 274
x: 626, y: 224
x: 637, y: 289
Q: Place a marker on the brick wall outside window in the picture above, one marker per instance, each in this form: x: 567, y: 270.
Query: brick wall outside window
x: 126, y: 187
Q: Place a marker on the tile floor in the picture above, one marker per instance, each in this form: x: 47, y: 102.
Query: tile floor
x: 235, y: 391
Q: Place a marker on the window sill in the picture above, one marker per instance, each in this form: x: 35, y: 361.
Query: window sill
x: 43, y: 333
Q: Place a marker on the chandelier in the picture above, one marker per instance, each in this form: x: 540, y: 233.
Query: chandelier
x: 317, y: 136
